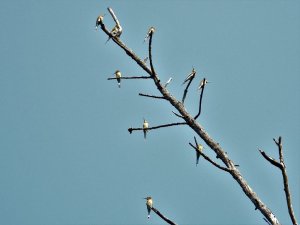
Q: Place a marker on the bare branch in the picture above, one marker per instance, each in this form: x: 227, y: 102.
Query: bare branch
x: 114, y: 16
x: 282, y: 167
x: 186, y: 89
x: 286, y: 182
x: 150, y: 54
x: 152, y: 96
x: 163, y: 217
x: 157, y: 127
x: 270, y: 159
x: 127, y: 78
x: 194, y: 125
x: 200, y: 103
x: 209, y: 160
x: 176, y: 114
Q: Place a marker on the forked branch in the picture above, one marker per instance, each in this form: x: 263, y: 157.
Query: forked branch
x: 282, y: 167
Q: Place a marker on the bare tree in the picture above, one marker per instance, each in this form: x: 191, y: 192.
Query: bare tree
x: 186, y: 119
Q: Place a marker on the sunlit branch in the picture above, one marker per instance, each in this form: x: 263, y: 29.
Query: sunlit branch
x: 282, y: 167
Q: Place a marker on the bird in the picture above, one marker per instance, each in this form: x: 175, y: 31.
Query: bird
x: 115, y: 32
x: 150, y: 31
x: 98, y: 21
x: 145, y: 128
x: 169, y: 81
x: 149, y: 204
x: 118, y: 76
x: 199, y: 150
x: 190, y: 76
x: 203, y: 82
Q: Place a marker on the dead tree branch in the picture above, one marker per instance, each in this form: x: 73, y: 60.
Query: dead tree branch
x: 163, y: 217
x: 209, y: 160
x: 193, y: 124
x: 200, y: 103
x: 127, y: 78
x: 152, y: 96
x: 157, y: 127
x: 282, y: 167
x: 186, y: 89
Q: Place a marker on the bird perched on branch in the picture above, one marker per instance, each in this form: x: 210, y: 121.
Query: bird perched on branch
x: 145, y: 128
x: 203, y: 82
x: 199, y: 150
x: 150, y: 31
x: 115, y: 32
x: 149, y: 204
x: 98, y: 21
x: 190, y: 76
x: 118, y: 76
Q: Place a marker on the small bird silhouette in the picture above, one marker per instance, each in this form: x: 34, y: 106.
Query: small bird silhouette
x: 149, y: 204
x: 199, y: 150
x: 118, y: 76
x: 98, y: 21
x: 203, y: 82
x: 145, y: 128
x: 190, y: 76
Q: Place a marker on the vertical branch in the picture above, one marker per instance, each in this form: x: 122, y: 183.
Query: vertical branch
x: 114, y: 16
x: 186, y: 90
x: 200, y: 103
x: 285, y: 182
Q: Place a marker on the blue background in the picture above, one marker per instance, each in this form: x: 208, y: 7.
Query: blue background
x: 66, y: 156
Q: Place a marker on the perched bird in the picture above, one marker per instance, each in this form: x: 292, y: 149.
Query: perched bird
x: 190, y: 76
x: 203, y: 82
x: 145, y: 128
x: 149, y: 204
x: 169, y: 81
x: 118, y: 76
x: 150, y: 31
x: 98, y: 21
x: 115, y: 32
x: 199, y: 150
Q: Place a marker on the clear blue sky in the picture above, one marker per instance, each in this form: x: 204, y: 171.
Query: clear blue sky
x: 65, y: 154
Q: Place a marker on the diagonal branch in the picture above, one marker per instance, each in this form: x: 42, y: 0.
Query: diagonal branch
x: 152, y: 96
x: 209, y: 160
x: 163, y: 217
x: 125, y: 78
x: 157, y: 127
x: 194, y: 125
x: 282, y: 167
x: 150, y: 54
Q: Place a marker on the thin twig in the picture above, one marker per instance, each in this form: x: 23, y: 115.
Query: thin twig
x: 270, y: 159
x: 186, y: 89
x: 282, y: 167
x: 200, y: 103
x: 157, y: 127
x: 209, y: 160
x: 163, y: 217
x: 176, y: 114
x: 114, y: 16
x: 152, y: 96
x: 150, y: 54
x: 134, y: 77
